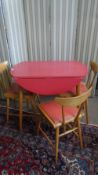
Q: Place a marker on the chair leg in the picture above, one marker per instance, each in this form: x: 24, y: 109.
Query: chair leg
x: 38, y: 99
x: 28, y: 103
x: 64, y: 128
x: 80, y: 134
x: 15, y: 103
x: 20, y: 109
x: 37, y: 127
x: 86, y: 111
x: 7, y: 106
x: 56, y: 144
x: 78, y: 89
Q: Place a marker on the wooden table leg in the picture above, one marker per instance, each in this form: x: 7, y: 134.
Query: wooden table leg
x: 20, y: 109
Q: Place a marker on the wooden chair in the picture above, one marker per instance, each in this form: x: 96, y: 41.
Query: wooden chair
x: 11, y: 91
x: 66, y: 113
x: 85, y: 86
x: 90, y: 80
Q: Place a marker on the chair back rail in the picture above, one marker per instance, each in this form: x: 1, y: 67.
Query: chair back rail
x: 5, y: 78
x: 73, y: 101
x: 92, y: 74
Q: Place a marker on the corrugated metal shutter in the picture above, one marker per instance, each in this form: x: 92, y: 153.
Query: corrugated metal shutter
x: 51, y: 29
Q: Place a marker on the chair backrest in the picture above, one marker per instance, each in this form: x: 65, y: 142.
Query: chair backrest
x: 5, y: 78
x: 73, y: 101
x: 92, y: 74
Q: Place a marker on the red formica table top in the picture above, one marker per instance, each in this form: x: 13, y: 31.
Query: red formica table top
x: 48, y: 77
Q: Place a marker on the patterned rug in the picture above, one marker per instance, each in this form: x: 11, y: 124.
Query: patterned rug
x: 22, y: 153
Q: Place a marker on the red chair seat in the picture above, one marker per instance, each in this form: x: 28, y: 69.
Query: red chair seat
x: 54, y: 111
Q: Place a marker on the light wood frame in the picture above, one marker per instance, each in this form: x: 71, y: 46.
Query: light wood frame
x: 20, y: 96
x: 78, y: 102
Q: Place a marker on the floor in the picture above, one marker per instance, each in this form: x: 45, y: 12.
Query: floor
x: 93, y: 110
